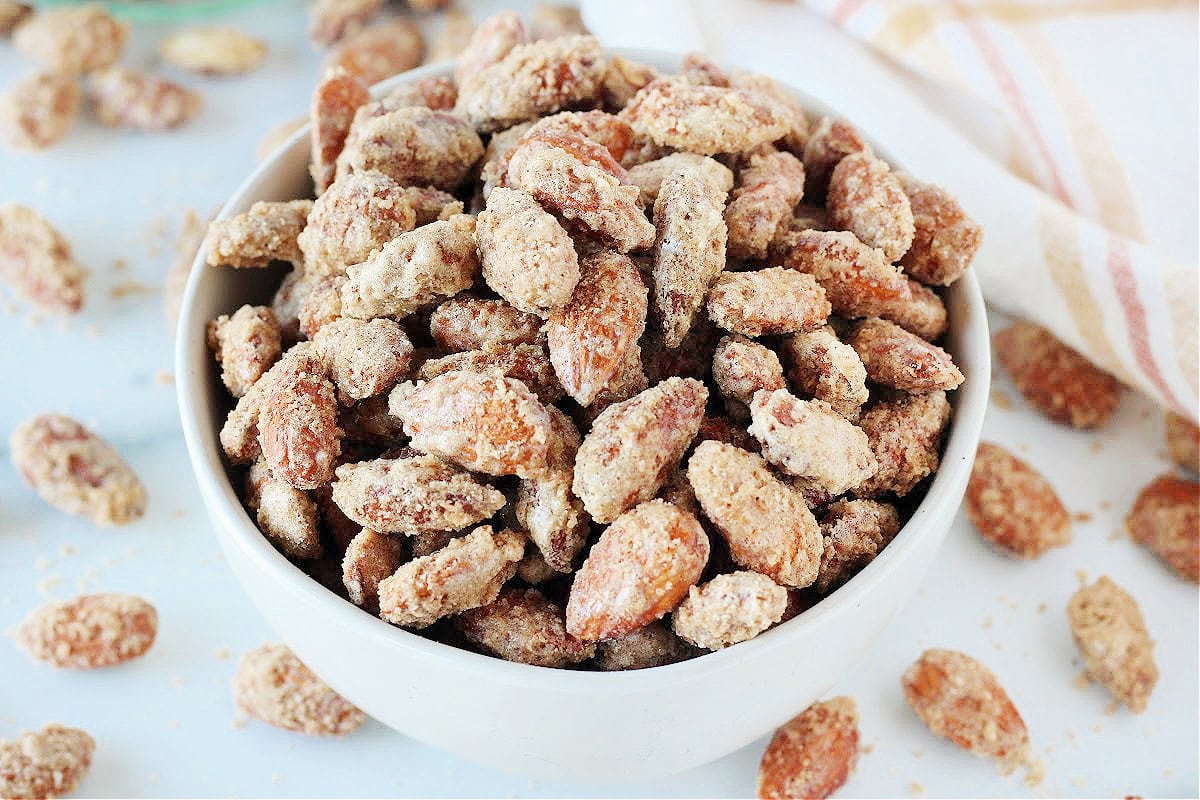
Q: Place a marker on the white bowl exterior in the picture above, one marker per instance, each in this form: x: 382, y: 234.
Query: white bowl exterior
x: 544, y: 723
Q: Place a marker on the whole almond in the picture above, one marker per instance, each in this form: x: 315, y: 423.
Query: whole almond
x: 813, y: 754
x: 90, y: 631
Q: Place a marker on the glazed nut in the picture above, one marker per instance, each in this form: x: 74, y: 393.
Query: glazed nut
x: 1165, y: 518
x: 38, y: 110
x: 90, y: 631
x: 45, y: 763
x: 729, y: 609
x: 274, y: 686
x: 1117, y: 650
x: 213, y: 51
x: 76, y: 471
x: 812, y: 755
x: 1013, y: 506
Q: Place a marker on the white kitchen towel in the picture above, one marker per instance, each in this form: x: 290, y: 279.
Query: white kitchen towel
x: 1067, y: 128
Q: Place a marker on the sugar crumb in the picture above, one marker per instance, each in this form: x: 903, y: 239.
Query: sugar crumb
x: 1081, y: 681
x: 1081, y: 576
x: 42, y: 563
x: 1041, y: 608
x: 66, y: 550
x: 1082, y: 516
x: 987, y: 622
x: 222, y: 653
x: 1001, y: 399
x: 1097, y: 445
x: 122, y: 290
x: 49, y: 583
x: 916, y: 788
x: 164, y: 378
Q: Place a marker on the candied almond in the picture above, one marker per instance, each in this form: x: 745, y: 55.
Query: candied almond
x: 38, y: 110
x: 592, y: 336
x: 89, y: 631
x: 1054, y: 379
x: 832, y: 140
x: 866, y: 199
x: 705, y: 119
x: 452, y: 38
x: 330, y: 20
x: 729, y: 609
x: 297, y: 426
x: 523, y: 626
x: 741, y: 367
x: 467, y: 323
x: 73, y: 39
x: 527, y: 257
x: 414, y: 269
x: 921, y: 312
x: 857, y: 279
x: 213, y: 50
x: 1183, y: 441
x: 769, y: 187
x: 495, y: 37
x: 894, y: 357
x: 123, y: 98
x: 828, y: 369
x: 1166, y: 519
x: 527, y: 363
x: 607, y: 130
x: 36, y: 261
x: 810, y: 440
x: 855, y: 532
x: 550, y: 21
x: 335, y: 101
x: 437, y: 93
x: 689, y: 248
x: 379, y: 51
x: 959, y: 698
x: 365, y: 358
x: 651, y: 645
x: 467, y: 573
x: 905, y: 435
x: 413, y: 146
x: 322, y: 305
x: 45, y: 763
x: 1118, y: 652
x: 585, y: 190
x: 813, y: 754
x: 650, y: 175
x: 483, y: 423
x: 1013, y: 506
x: 768, y: 301
x: 532, y: 80
x: 623, y: 79
x: 370, y: 557
x: 765, y: 521
x: 633, y: 446
x: 638, y: 571
x: 945, y: 240
x: 287, y: 516
x: 554, y: 518
x: 239, y: 434
x: 413, y: 494
x: 788, y: 105
x: 274, y: 686
x: 76, y: 471
x: 357, y: 215
x: 245, y: 345
x: 255, y: 238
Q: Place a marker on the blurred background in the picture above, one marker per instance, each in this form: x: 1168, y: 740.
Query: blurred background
x: 1044, y: 117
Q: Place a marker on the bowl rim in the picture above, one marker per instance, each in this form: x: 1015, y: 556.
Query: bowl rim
x: 234, y: 525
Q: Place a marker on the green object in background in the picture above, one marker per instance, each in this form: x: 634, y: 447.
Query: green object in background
x: 164, y: 10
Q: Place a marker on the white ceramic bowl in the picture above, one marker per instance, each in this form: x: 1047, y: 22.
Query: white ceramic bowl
x: 549, y: 723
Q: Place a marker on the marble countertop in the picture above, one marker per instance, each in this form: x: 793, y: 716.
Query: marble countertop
x: 165, y: 725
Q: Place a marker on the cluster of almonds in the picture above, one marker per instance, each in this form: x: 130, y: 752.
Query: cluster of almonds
x: 542, y: 426
x: 348, y: 347
x: 75, y: 43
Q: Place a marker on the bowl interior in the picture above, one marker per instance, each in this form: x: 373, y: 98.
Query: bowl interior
x: 211, y: 292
